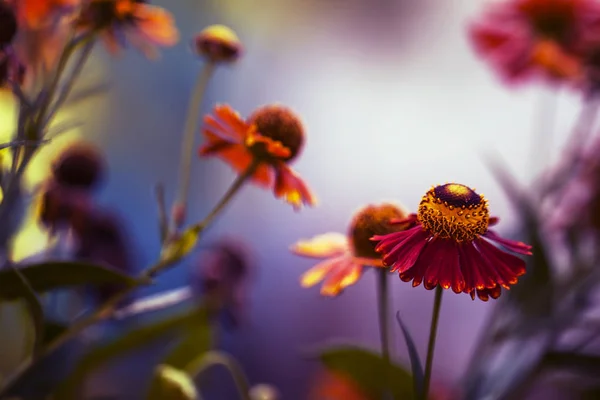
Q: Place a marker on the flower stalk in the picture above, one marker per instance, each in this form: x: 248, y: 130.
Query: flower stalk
x: 437, y: 304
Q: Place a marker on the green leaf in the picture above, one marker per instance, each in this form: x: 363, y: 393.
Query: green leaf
x: 34, y: 306
x: 52, y: 275
x: 130, y: 341
x: 415, y: 361
x: 197, y: 341
x: 52, y: 330
x: 181, y: 246
x: 369, y: 371
x: 173, y: 384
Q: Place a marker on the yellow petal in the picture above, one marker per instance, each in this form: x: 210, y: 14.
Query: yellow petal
x: 317, y: 273
x: 353, y: 275
x: 322, y: 246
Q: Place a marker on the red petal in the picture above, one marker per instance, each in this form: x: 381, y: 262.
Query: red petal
x: 233, y: 120
x: 444, y: 267
x: 290, y: 186
x: 476, y: 267
x: 517, y: 247
x: 405, y: 254
x: 507, y: 266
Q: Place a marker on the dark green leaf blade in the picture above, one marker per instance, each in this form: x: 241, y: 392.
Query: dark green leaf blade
x: 368, y: 370
x: 130, y: 341
x: 415, y: 361
x: 52, y: 275
x: 196, y: 341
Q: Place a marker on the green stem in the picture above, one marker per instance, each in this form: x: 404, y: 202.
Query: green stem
x: 191, y: 122
x: 437, y: 303
x: 382, y: 296
x: 233, y: 189
x: 213, y: 358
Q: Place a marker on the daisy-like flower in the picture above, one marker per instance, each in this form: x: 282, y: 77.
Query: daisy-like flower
x: 450, y: 245
x: 269, y: 139
x: 121, y: 21
x: 347, y: 255
x: 524, y: 38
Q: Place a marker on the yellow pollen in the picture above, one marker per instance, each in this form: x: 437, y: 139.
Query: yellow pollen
x: 454, y: 211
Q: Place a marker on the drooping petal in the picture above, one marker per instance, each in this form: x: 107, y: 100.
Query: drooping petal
x: 156, y: 24
x: 443, y: 268
x: 317, y: 273
x: 405, y: 253
x: 290, y: 186
x: 475, y: 267
x: 343, y: 274
x: 509, y: 267
x: 391, y: 240
x: 517, y: 247
x: 321, y: 246
x: 230, y: 122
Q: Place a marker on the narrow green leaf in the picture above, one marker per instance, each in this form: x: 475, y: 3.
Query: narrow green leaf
x: 130, y: 341
x: 197, y: 340
x: 368, y: 370
x: 52, y: 275
x: 173, y: 384
x: 415, y: 361
x: 34, y: 306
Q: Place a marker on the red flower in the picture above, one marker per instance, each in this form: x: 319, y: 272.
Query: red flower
x: 120, y: 21
x: 272, y: 136
x: 525, y: 38
x: 346, y: 256
x: 450, y: 246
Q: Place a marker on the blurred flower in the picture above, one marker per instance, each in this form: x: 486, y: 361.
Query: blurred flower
x: 121, y: 21
x: 450, y: 246
x: 11, y: 69
x: 523, y: 38
x: 8, y: 24
x: 263, y: 392
x: 331, y: 385
x: 173, y: 384
x: 79, y: 166
x: 35, y: 14
x: 102, y: 238
x: 272, y: 136
x: 347, y: 255
x: 218, y: 43
x: 221, y: 276
x: 62, y: 207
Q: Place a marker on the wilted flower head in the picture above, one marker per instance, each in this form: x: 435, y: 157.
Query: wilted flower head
x: 8, y: 24
x: 347, y: 255
x: 81, y: 166
x: 271, y: 137
x: 102, y: 238
x: 62, y: 208
x: 221, y: 276
x: 121, y: 21
x: 450, y: 246
x: 219, y: 44
x: 524, y: 38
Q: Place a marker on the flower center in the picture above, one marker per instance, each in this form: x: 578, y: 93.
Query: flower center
x: 373, y: 220
x: 279, y: 124
x: 454, y: 211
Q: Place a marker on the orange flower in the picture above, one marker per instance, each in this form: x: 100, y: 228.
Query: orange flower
x: 335, y: 386
x: 271, y: 137
x: 120, y: 21
x: 36, y: 14
x: 347, y: 255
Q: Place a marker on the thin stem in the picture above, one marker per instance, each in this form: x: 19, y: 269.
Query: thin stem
x: 233, y: 189
x: 437, y: 303
x: 191, y: 122
x: 541, y: 145
x: 213, y: 358
x: 382, y: 297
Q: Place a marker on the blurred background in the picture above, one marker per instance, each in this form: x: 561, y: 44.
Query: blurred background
x: 394, y: 101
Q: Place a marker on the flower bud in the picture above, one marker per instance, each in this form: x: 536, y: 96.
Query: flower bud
x: 219, y: 44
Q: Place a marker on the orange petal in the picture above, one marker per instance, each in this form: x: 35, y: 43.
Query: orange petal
x: 238, y: 157
x: 156, y: 24
x: 345, y: 272
x: 224, y: 129
x: 317, y: 273
x: 230, y: 117
x: 549, y: 55
x: 292, y: 188
x: 322, y: 246
x: 274, y: 148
